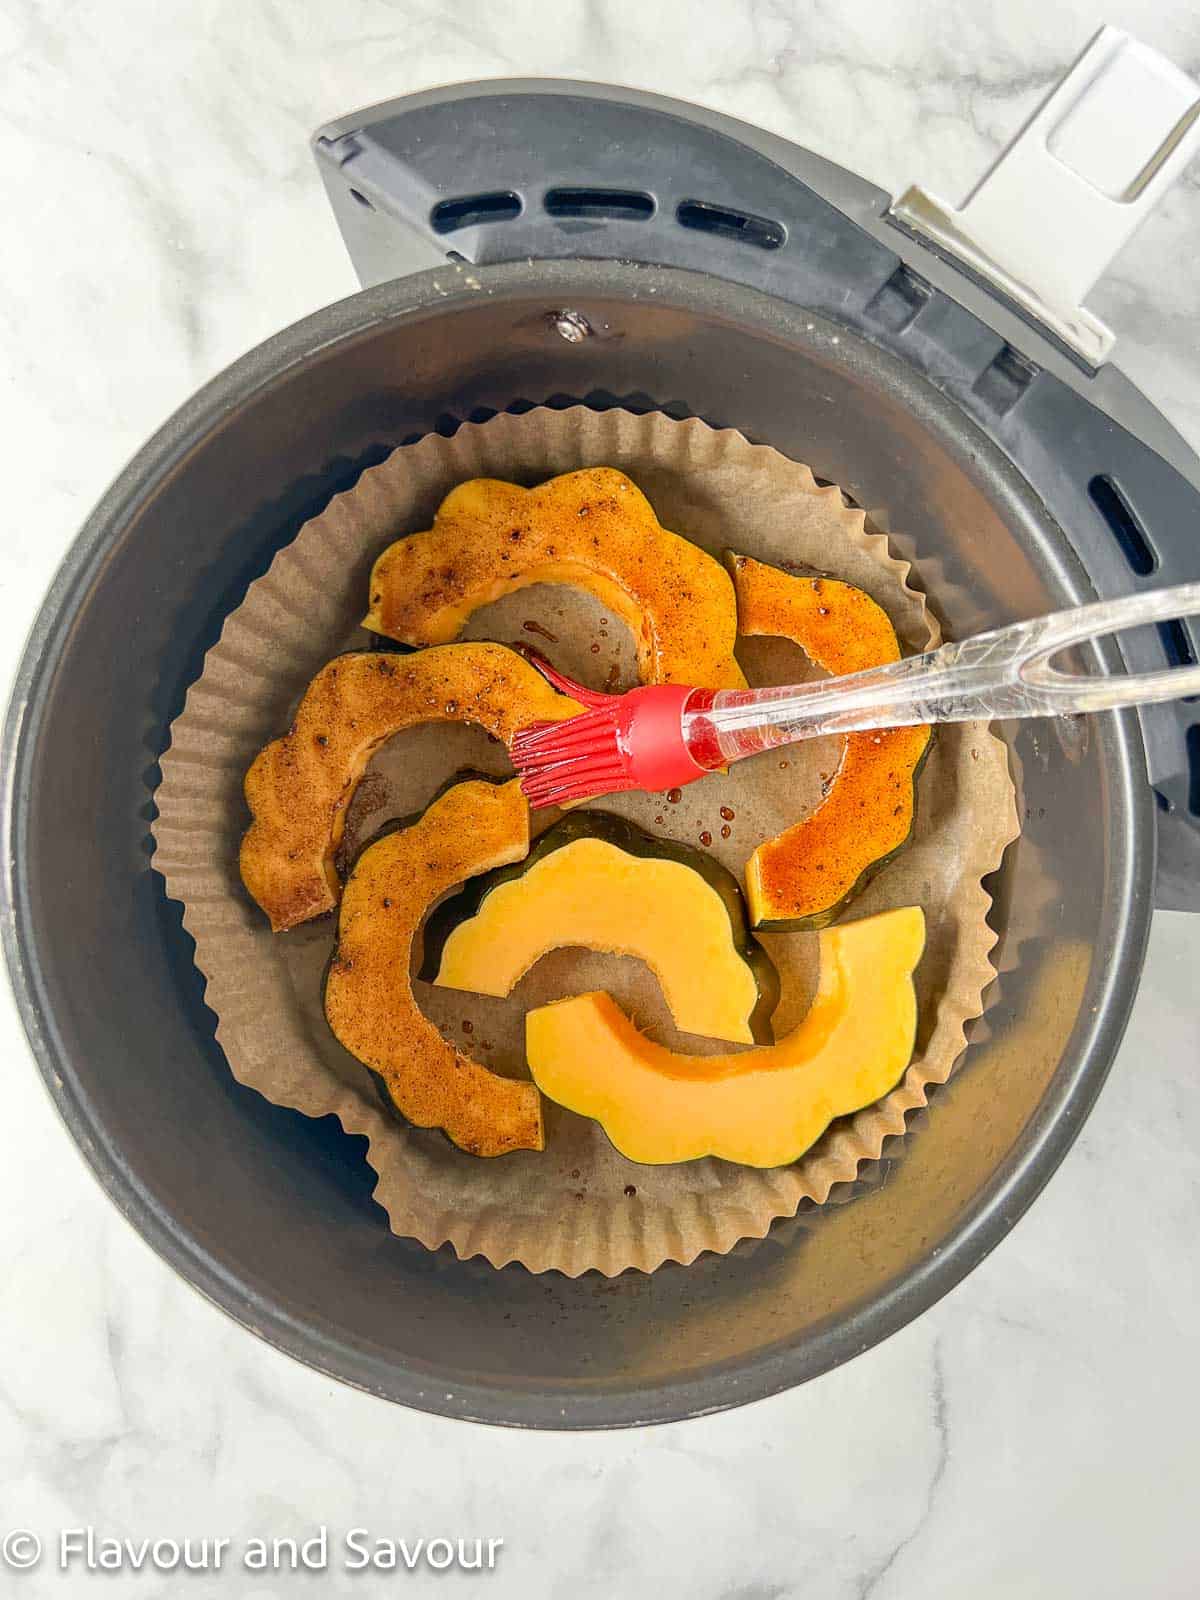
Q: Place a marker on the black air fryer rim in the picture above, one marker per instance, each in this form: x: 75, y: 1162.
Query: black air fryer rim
x: 1120, y: 945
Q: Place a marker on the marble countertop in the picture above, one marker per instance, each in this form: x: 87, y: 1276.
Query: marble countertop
x: 1032, y: 1435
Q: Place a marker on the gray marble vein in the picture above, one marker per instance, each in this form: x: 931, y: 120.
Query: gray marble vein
x: 1031, y: 1436
x: 875, y: 1580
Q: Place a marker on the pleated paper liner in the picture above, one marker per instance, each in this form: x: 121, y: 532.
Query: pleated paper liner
x: 578, y: 1204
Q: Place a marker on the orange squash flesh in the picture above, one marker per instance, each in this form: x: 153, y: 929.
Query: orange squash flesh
x: 592, y: 529
x: 615, y: 889
x: 805, y: 876
x: 369, y: 1001
x: 762, y: 1107
x: 299, y: 786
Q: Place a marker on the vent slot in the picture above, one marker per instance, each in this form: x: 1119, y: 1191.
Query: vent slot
x: 1004, y: 380
x: 761, y: 232
x: 600, y: 205
x: 1193, y: 750
x: 902, y: 297
x: 1126, y: 529
x: 1176, y: 644
x: 473, y: 209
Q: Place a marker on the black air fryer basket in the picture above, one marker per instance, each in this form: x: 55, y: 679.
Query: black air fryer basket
x: 551, y: 243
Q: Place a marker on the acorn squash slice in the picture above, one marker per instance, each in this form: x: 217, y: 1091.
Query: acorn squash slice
x: 369, y: 999
x: 761, y: 1107
x: 805, y: 876
x: 592, y: 529
x: 597, y: 881
x: 299, y: 787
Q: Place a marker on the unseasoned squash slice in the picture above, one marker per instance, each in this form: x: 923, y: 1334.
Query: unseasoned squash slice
x: 593, y: 529
x: 299, y: 787
x: 806, y: 875
x: 761, y: 1107
x: 596, y: 881
x: 369, y: 1000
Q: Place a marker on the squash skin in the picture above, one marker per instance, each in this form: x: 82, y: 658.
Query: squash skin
x: 807, y: 875
x: 368, y: 998
x: 762, y: 1108
x: 299, y: 786
x: 593, y: 529
x: 448, y: 922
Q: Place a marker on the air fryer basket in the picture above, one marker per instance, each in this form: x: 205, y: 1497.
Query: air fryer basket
x: 270, y: 1214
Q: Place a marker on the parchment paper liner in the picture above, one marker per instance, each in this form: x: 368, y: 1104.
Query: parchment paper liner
x: 578, y: 1205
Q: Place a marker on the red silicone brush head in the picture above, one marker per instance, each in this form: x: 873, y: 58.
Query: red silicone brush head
x: 563, y: 761
x: 624, y: 741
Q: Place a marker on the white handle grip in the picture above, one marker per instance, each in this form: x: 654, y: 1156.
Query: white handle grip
x: 1045, y: 222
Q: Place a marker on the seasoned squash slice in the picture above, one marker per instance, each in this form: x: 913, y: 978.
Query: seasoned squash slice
x: 806, y: 875
x: 761, y: 1107
x: 592, y: 529
x: 369, y: 1000
x: 596, y: 881
x: 299, y: 787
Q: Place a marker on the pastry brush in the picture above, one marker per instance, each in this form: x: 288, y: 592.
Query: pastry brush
x: 662, y: 736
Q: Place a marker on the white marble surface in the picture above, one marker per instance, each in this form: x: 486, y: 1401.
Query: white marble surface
x: 1033, y: 1435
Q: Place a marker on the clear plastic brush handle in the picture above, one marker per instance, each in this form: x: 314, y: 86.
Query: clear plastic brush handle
x: 1005, y: 673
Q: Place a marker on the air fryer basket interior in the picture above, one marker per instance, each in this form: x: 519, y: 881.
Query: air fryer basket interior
x: 271, y: 1214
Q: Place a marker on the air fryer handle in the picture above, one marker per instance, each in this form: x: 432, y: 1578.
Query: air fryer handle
x: 1048, y: 217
